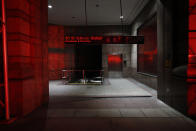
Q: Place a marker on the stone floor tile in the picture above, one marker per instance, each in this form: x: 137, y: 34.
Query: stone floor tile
x: 85, y: 113
x: 154, y: 113
x: 60, y: 113
x: 108, y: 113
x: 131, y: 113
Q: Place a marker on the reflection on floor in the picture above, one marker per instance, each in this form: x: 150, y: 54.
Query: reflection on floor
x: 111, y: 88
x: 65, y: 113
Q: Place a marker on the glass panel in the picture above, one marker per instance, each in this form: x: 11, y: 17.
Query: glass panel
x: 147, y: 53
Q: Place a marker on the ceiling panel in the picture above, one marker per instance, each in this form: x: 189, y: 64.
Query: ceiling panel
x: 108, y: 12
x: 66, y: 12
x: 99, y: 12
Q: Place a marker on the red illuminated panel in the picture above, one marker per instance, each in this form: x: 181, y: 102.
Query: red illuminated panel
x: 104, y: 39
x: 192, y: 20
x: 192, y: 8
x: 191, y: 72
x: 115, y: 62
x: 27, y: 55
x: 114, y: 59
x: 192, y: 99
x: 192, y: 15
x: 192, y: 47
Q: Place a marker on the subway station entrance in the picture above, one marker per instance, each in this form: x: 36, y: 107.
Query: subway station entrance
x: 97, y: 65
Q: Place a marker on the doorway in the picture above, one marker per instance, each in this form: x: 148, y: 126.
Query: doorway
x: 115, y: 65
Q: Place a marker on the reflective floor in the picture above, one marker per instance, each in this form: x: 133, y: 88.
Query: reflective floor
x: 68, y: 113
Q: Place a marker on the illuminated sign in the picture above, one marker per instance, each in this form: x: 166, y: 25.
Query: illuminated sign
x: 104, y: 39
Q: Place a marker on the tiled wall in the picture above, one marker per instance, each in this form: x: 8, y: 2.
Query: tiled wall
x: 55, y: 59
x: 27, y: 54
x: 60, y: 56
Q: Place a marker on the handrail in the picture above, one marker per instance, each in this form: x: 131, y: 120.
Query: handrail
x: 68, y: 75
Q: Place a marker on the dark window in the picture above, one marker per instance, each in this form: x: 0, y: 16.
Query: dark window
x: 147, y: 53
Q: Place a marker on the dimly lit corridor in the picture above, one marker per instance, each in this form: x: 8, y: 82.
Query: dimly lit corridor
x: 97, y: 65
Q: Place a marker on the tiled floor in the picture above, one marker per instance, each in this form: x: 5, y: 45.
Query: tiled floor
x: 104, y: 114
x: 115, y: 88
x: 123, y: 112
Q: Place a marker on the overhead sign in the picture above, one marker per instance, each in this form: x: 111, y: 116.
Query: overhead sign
x: 104, y: 39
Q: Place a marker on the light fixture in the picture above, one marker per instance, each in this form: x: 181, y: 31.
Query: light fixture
x: 86, y: 13
x: 121, y: 11
x: 50, y: 6
x: 121, y: 15
x: 97, y: 5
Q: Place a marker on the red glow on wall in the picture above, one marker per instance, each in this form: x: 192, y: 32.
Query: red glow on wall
x: 58, y: 58
x: 114, y: 59
x: 115, y: 62
x: 27, y: 55
x: 191, y: 72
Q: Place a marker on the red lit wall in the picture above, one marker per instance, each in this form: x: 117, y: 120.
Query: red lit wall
x: 114, y: 59
x: 115, y: 62
x: 60, y: 56
x: 55, y: 58
x: 27, y: 54
x: 192, y: 59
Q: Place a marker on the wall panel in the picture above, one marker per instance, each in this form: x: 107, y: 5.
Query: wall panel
x: 192, y: 60
x: 27, y: 22
x: 60, y: 56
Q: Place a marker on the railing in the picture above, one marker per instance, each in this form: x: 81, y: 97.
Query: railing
x: 83, y: 76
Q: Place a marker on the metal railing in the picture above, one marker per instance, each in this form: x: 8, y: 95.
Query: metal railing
x: 83, y: 76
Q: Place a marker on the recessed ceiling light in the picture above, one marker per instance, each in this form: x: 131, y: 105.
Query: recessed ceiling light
x: 97, y: 5
x: 50, y: 6
x: 121, y: 17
